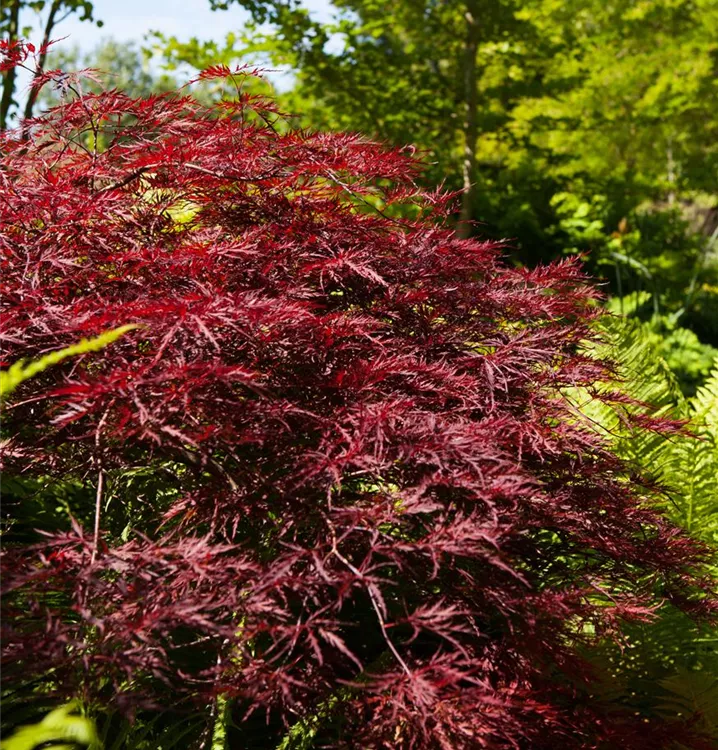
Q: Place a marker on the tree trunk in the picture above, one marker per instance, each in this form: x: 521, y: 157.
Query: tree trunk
x: 470, y: 126
x: 671, y: 172
x: 35, y: 90
x: 8, y: 84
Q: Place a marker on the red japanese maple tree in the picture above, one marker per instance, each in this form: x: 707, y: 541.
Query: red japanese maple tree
x: 332, y: 475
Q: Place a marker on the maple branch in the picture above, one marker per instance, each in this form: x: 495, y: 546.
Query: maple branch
x: 127, y: 180
x: 98, y: 510
x: 374, y: 601
x: 100, y: 487
x: 9, y: 76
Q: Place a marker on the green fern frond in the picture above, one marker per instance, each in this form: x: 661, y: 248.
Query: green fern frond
x: 644, y: 377
x: 692, y: 694
x: 20, y: 371
x: 686, y: 465
x: 666, y: 668
x: 693, y: 464
x: 65, y: 727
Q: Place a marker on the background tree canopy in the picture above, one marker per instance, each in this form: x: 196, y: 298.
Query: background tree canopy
x: 574, y: 126
x: 14, y: 17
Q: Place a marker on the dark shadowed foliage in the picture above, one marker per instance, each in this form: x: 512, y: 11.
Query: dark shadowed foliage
x: 332, y: 476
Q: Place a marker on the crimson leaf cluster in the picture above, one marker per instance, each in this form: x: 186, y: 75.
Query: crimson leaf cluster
x: 333, y: 475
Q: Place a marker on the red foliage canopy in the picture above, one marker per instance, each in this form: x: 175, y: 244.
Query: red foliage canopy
x: 333, y: 461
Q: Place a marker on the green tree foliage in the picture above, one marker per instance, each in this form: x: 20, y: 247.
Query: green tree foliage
x: 594, y: 92
x: 398, y: 72
x: 594, y: 126
x: 625, y: 123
